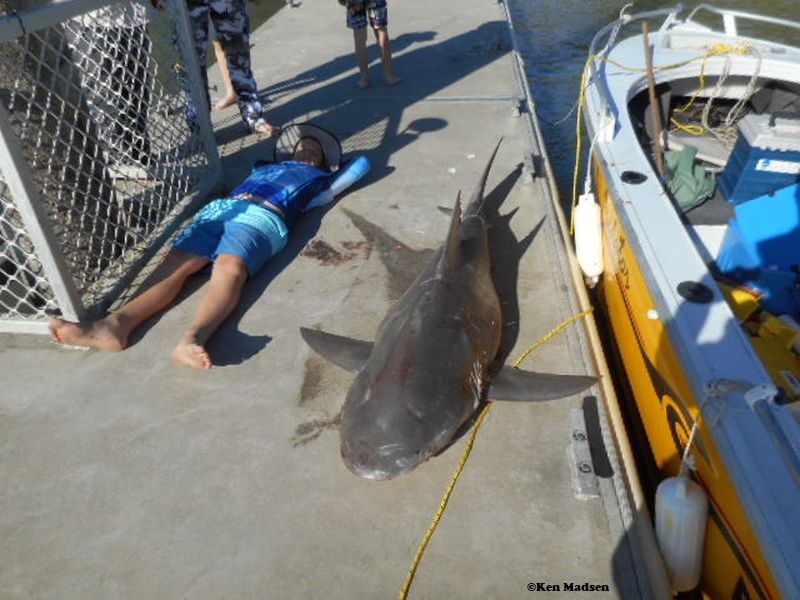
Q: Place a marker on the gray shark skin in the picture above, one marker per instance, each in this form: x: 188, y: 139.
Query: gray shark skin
x: 432, y: 361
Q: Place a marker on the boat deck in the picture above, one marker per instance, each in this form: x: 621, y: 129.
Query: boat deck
x: 126, y: 476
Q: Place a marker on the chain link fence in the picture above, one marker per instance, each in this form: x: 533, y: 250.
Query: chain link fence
x: 103, y: 152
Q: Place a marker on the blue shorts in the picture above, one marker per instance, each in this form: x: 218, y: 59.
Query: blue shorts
x: 359, y: 11
x: 235, y: 227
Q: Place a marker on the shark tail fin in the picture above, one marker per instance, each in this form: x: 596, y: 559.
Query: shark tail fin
x: 476, y: 201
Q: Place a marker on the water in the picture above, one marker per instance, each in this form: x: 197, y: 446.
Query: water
x: 554, y: 38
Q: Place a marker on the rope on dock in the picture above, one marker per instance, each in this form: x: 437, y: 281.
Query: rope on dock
x: 465, y: 455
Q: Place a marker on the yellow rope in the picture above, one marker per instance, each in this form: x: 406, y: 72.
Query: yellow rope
x: 467, y: 451
x: 549, y: 336
x: 579, y: 138
x: 443, y: 504
x: 690, y: 128
x: 714, y: 50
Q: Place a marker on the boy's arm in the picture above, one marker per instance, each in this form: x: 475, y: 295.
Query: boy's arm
x: 348, y: 174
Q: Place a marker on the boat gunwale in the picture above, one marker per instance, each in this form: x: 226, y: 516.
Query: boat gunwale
x: 739, y: 435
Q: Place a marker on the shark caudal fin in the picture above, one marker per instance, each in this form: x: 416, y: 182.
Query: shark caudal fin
x: 476, y: 201
x: 342, y: 351
x: 517, y: 385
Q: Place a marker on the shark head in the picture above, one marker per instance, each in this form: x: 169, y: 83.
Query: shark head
x: 385, y: 433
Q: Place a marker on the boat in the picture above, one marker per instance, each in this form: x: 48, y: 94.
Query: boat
x: 688, y: 230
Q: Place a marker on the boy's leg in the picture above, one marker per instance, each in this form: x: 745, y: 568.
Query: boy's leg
x: 158, y: 290
x: 362, y: 57
x: 382, y: 37
x: 227, y: 279
x: 229, y: 99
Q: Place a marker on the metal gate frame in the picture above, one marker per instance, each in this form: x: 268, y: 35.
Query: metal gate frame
x: 27, y: 199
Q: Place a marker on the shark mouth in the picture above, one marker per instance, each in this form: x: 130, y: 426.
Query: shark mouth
x: 386, y: 462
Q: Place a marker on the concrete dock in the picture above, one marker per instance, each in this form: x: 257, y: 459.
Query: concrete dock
x: 125, y: 476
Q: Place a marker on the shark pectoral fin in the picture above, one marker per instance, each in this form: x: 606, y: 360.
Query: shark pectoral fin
x: 342, y: 351
x: 526, y: 386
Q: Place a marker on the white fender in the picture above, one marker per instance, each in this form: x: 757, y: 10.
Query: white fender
x: 681, y: 515
x: 588, y: 238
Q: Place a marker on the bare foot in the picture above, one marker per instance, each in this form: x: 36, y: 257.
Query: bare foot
x: 105, y: 334
x: 363, y: 82
x: 391, y: 80
x: 225, y: 102
x: 267, y: 129
x: 191, y: 354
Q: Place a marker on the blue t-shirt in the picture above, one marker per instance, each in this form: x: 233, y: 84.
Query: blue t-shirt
x: 289, y: 185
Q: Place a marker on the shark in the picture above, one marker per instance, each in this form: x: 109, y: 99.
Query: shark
x: 434, y: 360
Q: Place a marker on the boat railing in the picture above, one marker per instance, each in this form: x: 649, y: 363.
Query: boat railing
x: 607, y: 37
x: 100, y: 158
x: 729, y: 18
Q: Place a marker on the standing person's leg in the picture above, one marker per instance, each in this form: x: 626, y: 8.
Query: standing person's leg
x: 378, y: 13
x: 382, y: 37
x: 158, y: 290
x: 357, y: 21
x: 225, y: 288
x: 232, y: 25
x: 229, y: 99
x: 362, y: 56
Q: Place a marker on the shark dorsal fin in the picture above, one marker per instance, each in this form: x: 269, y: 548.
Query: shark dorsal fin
x: 476, y: 201
x: 451, y: 257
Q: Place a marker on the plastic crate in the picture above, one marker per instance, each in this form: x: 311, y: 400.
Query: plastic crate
x: 766, y: 157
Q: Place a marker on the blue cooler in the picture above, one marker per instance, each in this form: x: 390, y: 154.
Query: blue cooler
x: 766, y: 157
x: 761, y: 248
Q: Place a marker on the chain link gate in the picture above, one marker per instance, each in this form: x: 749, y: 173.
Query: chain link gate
x: 103, y: 152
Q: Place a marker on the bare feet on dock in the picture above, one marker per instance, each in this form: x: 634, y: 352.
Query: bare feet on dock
x: 225, y: 102
x: 267, y: 129
x: 106, y: 334
x: 191, y: 354
x: 363, y: 83
x: 391, y: 80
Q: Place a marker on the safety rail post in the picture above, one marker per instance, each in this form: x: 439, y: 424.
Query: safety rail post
x: 31, y: 209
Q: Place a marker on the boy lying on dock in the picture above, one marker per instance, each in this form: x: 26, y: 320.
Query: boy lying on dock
x: 239, y: 234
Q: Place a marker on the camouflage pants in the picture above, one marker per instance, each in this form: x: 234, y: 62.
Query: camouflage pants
x: 232, y: 26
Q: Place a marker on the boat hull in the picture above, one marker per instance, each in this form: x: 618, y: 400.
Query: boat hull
x: 666, y: 410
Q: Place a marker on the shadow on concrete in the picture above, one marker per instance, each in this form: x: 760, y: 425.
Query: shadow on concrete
x: 337, y: 67
x: 369, y: 121
x: 506, y: 252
